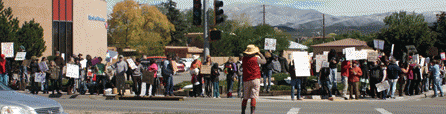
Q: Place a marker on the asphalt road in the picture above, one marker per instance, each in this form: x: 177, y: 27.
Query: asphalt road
x: 264, y: 106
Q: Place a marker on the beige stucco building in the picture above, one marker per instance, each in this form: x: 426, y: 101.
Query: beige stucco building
x: 70, y: 26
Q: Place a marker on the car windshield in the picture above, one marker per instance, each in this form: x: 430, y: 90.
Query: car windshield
x: 3, y: 87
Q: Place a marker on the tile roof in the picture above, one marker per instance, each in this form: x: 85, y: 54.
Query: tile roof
x: 344, y: 42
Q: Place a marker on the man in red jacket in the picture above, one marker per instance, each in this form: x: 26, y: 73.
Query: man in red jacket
x: 345, y: 72
x: 251, y: 76
x: 3, y: 76
x: 353, y: 80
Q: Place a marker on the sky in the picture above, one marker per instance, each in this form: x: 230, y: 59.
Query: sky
x: 332, y: 7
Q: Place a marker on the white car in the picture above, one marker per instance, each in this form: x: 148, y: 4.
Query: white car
x: 187, y: 62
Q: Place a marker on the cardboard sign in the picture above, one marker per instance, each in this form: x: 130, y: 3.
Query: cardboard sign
x: 148, y: 77
x: 319, y: 61
x: 302, y: 64
x: 442, y: 55
x: 39, y: 77
x: 205, y: 69
x: 382, y: 86
x: 270, y: 44
x: 378, y: 44
x: 8, y: 49
x: 372, y: 56
x: 72, y: 71
x: 95, y: 61
x: 349, y: 53
x: 43, y: 66
x: 132, y: 64
x: 20, y: 56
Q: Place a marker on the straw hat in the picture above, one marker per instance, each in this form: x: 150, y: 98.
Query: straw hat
x: 251, y: 49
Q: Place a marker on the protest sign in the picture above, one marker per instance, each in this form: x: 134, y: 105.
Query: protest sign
x: 20, y: 56
x: 427, y: 61
x: 319, y: 60
x: 411, y: 49
x: 131, y: 63
x: 372, y: 56
x: 72, y: 71
x: 360, y: 55
x: 95, y: 61
x: 270, y: 44
x: 63, y: 56
x: 43, y: 66
x: 416, y: 58
x: 350, y: 53
x: 148, y: 76
x: 39, y: 77
x: 325, y: 52
x: 325, y: 64
x: 205, y: 69
x: 391, y: 52
x: 382, y: 86
x: 378, y: 44
x: 442, y: 55
x: 302, y: 64
x: 83, y: 63
x: 8, y: 49
x: 422, y: 61
x: 143, y: 89
x: 111, y: 55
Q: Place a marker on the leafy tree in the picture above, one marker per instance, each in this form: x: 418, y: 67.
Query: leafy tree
x: 440, y: 28
x: 31, y: 36
x: 406, y: 29
x: 140, y: 26
x: 177, y: 19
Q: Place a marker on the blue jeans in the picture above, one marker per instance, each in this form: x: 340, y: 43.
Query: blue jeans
x: 4, y: 79
x: 240, y: 86
x: 326, y: 87
x: 408, y: 83
x: 169, y: 85
x: 216, y: 88
x: 267, y: 74
x: 333, y: 73
x: 230, y: 84
x: 437, y: 85
x: 296, y: 84
x: 392, y: 83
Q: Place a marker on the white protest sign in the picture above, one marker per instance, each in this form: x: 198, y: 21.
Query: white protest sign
x: 325, y: 64
x: 319, y: 60
x: 382, y: 86
x: 378, y: 44
x: 83, y: 63
x: 442, y: 55
x: 422, y: 61
x: 63, y: 56
x: 8, y: 49
x: 20, y: 56
x: 39, y: 77
x: 302, y: 64
x: 72, y: 71
x: 416, y: 58
x: 325, y: 52
x: 360, y: 55
x: 391, y: 52
x: 350, y: 53
x: 381, y: 44
x: 43, y: 66
x: 270, y: 44
x: 143, y: 89
x: 131, y: 63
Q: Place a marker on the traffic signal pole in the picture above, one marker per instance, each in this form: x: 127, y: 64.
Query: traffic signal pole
x: 206, y: 30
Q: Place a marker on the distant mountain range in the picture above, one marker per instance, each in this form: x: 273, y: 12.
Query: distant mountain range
x: 307, y: 22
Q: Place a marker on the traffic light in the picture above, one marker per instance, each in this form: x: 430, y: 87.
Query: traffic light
x: 215, y: 35
x: 197, y: 13
x: 218, y: 12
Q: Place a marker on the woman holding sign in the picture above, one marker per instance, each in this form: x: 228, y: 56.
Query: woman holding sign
x: 34, y: 70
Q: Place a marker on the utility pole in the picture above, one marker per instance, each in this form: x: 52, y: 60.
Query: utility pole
x: 323, y: 26
x: 264, y: 13
x: 205, y: 34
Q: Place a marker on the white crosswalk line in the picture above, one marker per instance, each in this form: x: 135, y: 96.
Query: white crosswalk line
x: 383, y: 111
x: 293, y: 111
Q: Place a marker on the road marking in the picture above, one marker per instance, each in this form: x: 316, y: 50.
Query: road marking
x: 293, y: 111
x: 383, y: 111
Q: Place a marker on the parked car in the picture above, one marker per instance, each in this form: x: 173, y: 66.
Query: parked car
x: 12, y: 102
x: 180, y: 67
x: 187, y: 62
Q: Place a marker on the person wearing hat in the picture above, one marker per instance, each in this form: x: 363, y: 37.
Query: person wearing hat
x: 121, y: 69
x: 3, y: 75
x: 207, y: 77
x: 251, y: 76
x: 196, y: 77
x: 435, y: 69
x: 353, y: 80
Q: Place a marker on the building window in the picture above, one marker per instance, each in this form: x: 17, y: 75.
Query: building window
x: 63, y: 26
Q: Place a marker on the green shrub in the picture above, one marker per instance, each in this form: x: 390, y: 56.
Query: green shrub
x: 129, y: 82
x: 280, y: 76
x: 280, y: 87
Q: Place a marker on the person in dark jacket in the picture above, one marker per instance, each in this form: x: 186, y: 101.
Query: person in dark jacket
x: 295, y: 82
x: 364, y: 78
x: 374, y: 78
x: 34, y: 69
x: 393, y: 72
x: 215, y: 73
x: 267, y: 72
x: 60, y: 63
x: 326, y: 84
x: 333, y: 60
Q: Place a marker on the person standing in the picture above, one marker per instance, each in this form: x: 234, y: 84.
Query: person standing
x: 100, y: 76
x: 409, y: 88
x: 435, y: 69
x: 152, y: 68
x: 121, y: 69
x: 240, y: 76
x: 196, y: 77
x: 333, y: 59
x: 70, y: 84
x: 3, y: 75
x: 54, y: 75
x: 215, y: 80
x: 136, y: 76
x: 364, y: 78
x: 345, y: 72
x: 295, y: 81
x: 402, y: 78
x: 230, y: 70
x: 251, y: 76
x: 34, y: 66
x: 60, y: 62
x: 167, y: 73
x: 46, y: 83
x: 267, y: 71
x: 393, y: 74
x: 382, y: 78
x: 326, y: 84
x: 207, y: 77
x: 353, y: 80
